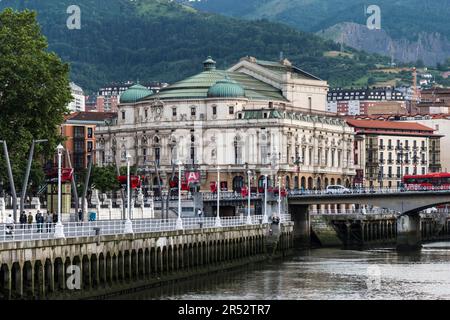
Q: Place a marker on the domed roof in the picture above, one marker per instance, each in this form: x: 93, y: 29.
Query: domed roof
x: 226, y: 88
x: 134, y: 94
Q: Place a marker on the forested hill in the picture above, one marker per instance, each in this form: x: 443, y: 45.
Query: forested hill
x: 160, y: 40
x: 411, y: 30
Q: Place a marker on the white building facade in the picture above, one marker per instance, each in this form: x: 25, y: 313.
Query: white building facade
x: 78, y: 103
x: 265, y: 117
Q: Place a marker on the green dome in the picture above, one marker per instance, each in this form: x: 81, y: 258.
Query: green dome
x: 226, y: 88
x: 134, y: 94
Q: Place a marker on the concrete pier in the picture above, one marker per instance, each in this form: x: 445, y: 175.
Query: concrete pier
x: 408, y: 233
x: 47, y: 269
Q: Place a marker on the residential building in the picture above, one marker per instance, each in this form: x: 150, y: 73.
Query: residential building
x: 264, y: 116
x: 365, y: 101
x: 385, y: 151
x: 441, y: 124
x: 78, y: 130
x: 78, y: 102
x: 434, y: 101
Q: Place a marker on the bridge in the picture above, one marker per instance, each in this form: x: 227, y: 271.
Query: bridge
x: 407, y: 203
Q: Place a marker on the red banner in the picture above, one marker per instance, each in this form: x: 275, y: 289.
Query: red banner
x: 135, y: 181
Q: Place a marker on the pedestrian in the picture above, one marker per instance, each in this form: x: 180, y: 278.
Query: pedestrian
x: 40, y: 223
x: 23, y: 219
x: 9, y: 225
x: 80, y: 215
x: 30, y: 220
x: 55, y: 218
x: 49, y: 221
x: 38, y: 214
x: 44, y: 221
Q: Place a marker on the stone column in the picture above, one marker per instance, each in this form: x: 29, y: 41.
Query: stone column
x: 408, y: 233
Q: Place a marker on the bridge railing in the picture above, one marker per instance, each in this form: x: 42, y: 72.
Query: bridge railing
x: 293, y: 193
x: 229, y: 196
x: 44, y: 231
x: 353, y: 211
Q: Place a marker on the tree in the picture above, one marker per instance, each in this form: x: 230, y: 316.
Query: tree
x: 34, y: 92
x: 105, y: 178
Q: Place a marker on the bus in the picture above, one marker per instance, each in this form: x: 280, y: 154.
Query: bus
x: 431, y: 181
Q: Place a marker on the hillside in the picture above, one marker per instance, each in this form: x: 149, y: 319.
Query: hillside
x: 419, y: 27
x: 160, y: 40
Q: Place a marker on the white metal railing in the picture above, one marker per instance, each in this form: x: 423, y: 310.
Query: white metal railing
x: 352, y: 211
x: 227, y: 195
x: 296, y: 193
x: 42, y: 231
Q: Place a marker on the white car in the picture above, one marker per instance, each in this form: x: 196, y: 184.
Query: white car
x: 337, y: 189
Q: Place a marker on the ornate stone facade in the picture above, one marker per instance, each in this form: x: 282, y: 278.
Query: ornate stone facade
x: 261, y: 131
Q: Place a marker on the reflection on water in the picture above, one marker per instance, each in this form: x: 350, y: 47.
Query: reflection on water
x: 325, y: 274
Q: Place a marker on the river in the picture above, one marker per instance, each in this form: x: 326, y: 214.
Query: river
x: 324, y: 274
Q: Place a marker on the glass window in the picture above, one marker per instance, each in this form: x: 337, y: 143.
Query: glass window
x: 123, y: 115
x: 193, y: 111
x: 174, y: 112
x: 90, y: 133
x: 214, y: 110
x: 231, y: 110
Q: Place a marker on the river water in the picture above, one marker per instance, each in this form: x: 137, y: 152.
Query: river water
x: 324, y: 274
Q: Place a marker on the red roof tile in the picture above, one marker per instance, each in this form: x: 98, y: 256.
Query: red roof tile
x: 388, y: 125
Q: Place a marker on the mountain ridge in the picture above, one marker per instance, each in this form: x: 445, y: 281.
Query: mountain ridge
x: 407, y: 24
x: 159, y: 40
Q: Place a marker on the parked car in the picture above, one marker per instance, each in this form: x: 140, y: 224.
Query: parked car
x: 337, y: 189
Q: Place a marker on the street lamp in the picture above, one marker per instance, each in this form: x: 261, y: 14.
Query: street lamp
x: 179, y: 220
x: 27, y: 174
x: 265, y: 219
x: 128, y: 224
x: 249, y: 218
x: 279, y: 197
x: 218, y: 223
x: 59, y: 228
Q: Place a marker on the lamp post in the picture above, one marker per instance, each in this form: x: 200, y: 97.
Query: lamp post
x: 249, y: 218
x: 279, y: 197
x: 128, y: 223
x: 59, y: 228
x: 265, y: 219
x: 218, y: 223
x: 179, y: 220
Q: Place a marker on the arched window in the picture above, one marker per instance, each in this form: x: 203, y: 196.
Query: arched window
x: 296, y: 184
x: 238, y: 183
x: 310, y: 183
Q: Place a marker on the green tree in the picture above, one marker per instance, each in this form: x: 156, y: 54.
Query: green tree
x: 34, y: 92
x: 105, y: 178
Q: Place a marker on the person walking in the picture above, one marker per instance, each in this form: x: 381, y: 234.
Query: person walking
x: 49, y: 222
x: 40, y: 223
x: 9, y: 225
x: 30, y: 220
x: 37, y: 217
x: 44, y: 221
x: 23, y: 219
